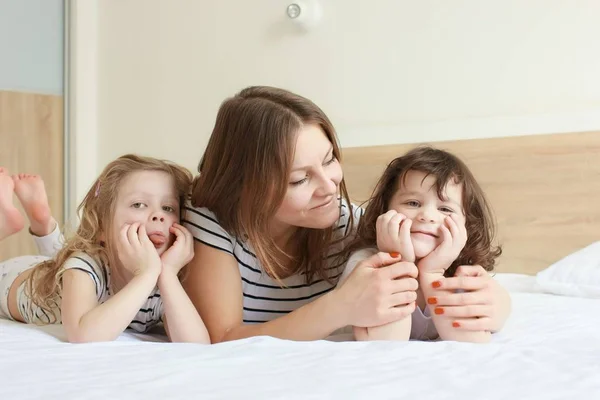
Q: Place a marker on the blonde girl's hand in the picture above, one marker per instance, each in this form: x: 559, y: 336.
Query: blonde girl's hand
x: 136, y: 252
x: 393, y: 235
x: 181, y: 251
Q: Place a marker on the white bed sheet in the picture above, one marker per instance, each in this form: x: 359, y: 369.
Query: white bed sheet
x: 549, y: 349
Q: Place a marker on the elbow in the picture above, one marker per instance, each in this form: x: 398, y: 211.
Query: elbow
x: 77, y: 335
x: 78, y: 339
x: 198, y: 339
x: 225, y: 336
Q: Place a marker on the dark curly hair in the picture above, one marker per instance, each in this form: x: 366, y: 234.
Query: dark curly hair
x: 444, y: 166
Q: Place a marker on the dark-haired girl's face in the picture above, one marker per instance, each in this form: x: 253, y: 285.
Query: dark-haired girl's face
x: 417, y: 199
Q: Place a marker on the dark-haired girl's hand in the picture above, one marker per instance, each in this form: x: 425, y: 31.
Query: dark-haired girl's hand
x: 454, y: 238
x: 471, y: 298
x: 393, y: 235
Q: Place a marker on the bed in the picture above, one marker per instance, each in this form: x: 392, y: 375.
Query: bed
x: 549, y: 349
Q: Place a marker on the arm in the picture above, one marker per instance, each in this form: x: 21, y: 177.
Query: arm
x: 184, y: 324
x: 398, y: 330
x: 446, y: 326
x: 436, y: 291
x: 214, y: 286
x: 182, y: 321
x: 503, y: 306
x: 393, y: 235
x: 85, y: 320
x: 473, y: 300
x: 367, y: 298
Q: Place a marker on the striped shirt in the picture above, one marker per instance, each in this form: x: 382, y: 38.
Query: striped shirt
x: 148, y: 316
x: 264, y: 298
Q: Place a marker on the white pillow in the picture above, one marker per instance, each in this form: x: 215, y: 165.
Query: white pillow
x: 578, y: 274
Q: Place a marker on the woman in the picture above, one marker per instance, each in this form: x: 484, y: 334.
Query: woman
x: 271, y: 215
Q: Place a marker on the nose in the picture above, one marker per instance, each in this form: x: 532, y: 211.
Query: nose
x: 426, y: 215
x: 158, y: 216
x: 327, y: 186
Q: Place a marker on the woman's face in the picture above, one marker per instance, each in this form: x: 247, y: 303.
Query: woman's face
x: 311, y: 199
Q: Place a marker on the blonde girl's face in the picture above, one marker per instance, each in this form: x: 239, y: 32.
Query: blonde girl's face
x: 148, y: 198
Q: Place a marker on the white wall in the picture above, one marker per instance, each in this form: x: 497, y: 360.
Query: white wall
x: 385, y: 71
x: 31, y: 46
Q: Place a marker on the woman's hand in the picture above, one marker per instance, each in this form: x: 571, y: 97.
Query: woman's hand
x: 380, y: 290
x: 468, y: 297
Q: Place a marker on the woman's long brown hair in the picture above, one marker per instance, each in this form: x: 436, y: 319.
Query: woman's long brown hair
x: 244, y: 175
x: 445, y: 167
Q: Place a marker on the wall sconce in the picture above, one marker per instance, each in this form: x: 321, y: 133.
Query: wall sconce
x: 305, y: 13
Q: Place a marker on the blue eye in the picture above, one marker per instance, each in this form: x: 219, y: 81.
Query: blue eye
x: 138, y: 205
x: 412, y: 203
x: 168, y: 209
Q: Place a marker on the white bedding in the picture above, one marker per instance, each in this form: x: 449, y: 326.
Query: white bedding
x: 549, y: 349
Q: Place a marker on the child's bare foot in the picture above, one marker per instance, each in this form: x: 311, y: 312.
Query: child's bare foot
x: 31, y: 192
x: 11, y: 220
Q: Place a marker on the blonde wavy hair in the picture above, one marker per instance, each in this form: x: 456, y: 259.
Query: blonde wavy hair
x: 96, y: 213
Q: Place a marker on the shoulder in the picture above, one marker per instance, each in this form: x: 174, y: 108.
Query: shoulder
x: 90, y: 265
x: 83, y: 261
x: 205, y: 227
x: 200, y: 216
x: 348, y: 210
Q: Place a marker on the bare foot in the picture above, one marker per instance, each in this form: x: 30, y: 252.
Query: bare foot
x: 11, y: 220
x: 31, y: 192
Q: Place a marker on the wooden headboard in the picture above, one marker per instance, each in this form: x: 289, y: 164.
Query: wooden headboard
x: 544, y: 189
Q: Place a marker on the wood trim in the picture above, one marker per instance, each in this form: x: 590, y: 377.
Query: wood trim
x: 31, y: 141
x: 544, y: 189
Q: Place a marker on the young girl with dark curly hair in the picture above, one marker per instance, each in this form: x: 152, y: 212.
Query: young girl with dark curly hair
x: 429, y: 209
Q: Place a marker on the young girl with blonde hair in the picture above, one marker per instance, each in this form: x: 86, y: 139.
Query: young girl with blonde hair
x: 120, y: 269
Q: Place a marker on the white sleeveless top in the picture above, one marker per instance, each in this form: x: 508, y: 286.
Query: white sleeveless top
x: 149, y: 314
